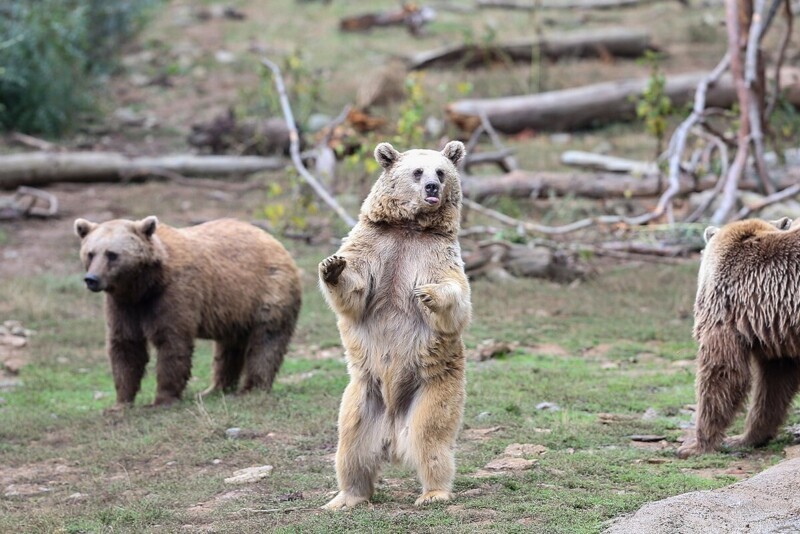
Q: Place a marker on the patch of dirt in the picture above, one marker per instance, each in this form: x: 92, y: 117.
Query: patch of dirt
x: 39, y: 246
x: 37, y: 478
x: 205, y: 508
x: 547, y: 349
x: 740, y: 469
x: 480, y: 434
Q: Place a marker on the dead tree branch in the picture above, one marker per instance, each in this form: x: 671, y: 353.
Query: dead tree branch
x: 294, y: 148
x: 781, y: 195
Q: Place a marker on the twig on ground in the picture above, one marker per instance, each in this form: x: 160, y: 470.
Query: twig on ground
x: 34, y: 142
x: 787, y: 35
x: 294, y: 147
x: 678, y: 141
x: 783, y: 194
x: 509, y: 162
x: 274, y: 510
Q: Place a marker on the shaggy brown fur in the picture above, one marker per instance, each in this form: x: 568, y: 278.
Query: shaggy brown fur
x: 747, y: 319
x: 223, y: 280
x: 398, y: 287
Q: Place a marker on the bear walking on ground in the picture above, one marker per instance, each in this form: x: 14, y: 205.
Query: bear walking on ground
x: 402, y: 301
x: 224, y: 280
x: 747, y: 322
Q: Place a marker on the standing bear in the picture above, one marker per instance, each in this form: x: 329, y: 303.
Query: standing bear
x: 747, y: 322
x: 402, y: 301
x: 224, y: 280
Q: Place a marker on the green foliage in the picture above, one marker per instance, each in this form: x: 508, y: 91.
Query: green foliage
x: 288, y: 209
x: 653, y: 106
x: 53, y: 55
x: 411, y: 123
x: 303, y: 88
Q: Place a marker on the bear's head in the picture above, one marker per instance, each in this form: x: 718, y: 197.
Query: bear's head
x: 118, y: 253
x: 417, y: 188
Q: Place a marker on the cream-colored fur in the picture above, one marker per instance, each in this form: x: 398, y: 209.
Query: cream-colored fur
x: 402, y: 301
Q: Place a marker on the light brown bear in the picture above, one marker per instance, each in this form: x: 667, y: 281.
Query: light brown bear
x: 402, y: 300
x: 747, y: 320
x: 224, y: 280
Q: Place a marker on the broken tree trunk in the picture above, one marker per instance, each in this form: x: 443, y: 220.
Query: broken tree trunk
x: 588, y: 185
x: 581, y: 107
x: 612, y: 42
x: 42, y: 168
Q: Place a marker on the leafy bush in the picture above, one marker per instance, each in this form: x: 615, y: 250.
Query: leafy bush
x: 51, y: 54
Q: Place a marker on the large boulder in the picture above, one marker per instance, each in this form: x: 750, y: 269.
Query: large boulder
x: 767, y: 502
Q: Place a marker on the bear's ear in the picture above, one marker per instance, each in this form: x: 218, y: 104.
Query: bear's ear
x: 148, y: 225
x: 784, y: 223
x: 386, y: 155
x: 455, y: 152
x: 709, y: 233
x: 83, y: 227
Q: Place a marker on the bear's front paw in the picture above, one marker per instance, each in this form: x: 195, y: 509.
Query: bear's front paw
x: 742, y: 441
x: 426, y: 294
x: 331, y: 268
x: 692, y: 447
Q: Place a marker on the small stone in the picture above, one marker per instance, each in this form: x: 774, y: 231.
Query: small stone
x: 483, y: 415
x: 224, y: 57
x: 233, y: 433
x: 647, y: 438
x: 524, y: 449
x: 216, y: 461
x: 249, y: 475
x: 77, y: 496
x: 510, y: 464
x: 548, y: 406
x: 99, y: 395
x: 650, y: 414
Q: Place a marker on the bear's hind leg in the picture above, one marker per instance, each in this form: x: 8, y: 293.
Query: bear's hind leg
x: 266, y: 346
x: 228, y: 363
x: 723, y: 378
x: 776, y: 383
x: 363, y: 444
x: 433, y: 425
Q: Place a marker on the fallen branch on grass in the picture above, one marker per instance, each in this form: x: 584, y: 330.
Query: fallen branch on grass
x: 601, y: 162
x: 294, y: 148
x: 28, y: 202
x: 605, y: 43
x: 44, y: 168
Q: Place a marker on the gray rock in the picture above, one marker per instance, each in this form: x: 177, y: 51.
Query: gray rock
x: 767, y: 502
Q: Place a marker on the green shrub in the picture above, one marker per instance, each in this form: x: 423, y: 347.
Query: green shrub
x: 51, y: 54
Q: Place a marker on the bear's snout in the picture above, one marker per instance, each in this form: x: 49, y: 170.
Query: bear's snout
x: 92, y: 283
x: 432, y: 192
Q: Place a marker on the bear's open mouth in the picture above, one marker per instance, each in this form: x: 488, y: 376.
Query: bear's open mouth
x: 432, y: 200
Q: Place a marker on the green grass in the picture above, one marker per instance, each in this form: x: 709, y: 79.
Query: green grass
x: 162, y: 470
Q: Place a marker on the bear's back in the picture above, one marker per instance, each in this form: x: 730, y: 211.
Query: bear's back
x: 750, y: 280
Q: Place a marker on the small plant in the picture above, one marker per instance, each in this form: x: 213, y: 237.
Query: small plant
x: 289, y: 208
x: 653, y: 107
x: 411, y: 123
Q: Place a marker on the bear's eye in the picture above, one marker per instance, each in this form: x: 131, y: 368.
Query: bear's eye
x: 440, y: 174
x: 417, y: 174
x: 90, y: 256
x: 111, y: 255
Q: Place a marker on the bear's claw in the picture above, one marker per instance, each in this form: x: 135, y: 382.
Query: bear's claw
x: 331, y: 268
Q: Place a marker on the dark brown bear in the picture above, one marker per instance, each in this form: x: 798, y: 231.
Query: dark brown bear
x: 747, y: 325
x: 223, y: 280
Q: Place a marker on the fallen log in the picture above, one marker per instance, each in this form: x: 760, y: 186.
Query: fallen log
x: 564, y: 4
x: 527, y: 184
x: 581, y: 107
x: 612, y: 42
x: 43, y: 168
x: 601, y: 162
